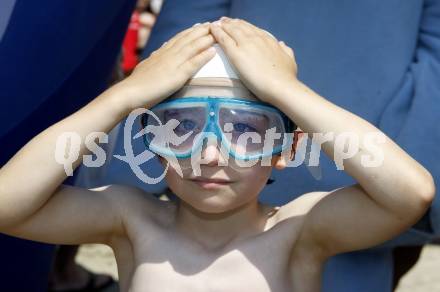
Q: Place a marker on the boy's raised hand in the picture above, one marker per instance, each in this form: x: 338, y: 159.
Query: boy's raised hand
x: 265, y: 65
x: 383, y: 203
x: 168, y: 68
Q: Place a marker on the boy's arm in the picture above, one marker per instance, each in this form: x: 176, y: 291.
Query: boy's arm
x: 388, y: 199
x: 31, y: 198
x: 75, y: 216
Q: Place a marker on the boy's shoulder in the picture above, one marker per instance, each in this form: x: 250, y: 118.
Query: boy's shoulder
x: 300, y: 206
x: 134, y: 204
x: 293, y: 214
x: 289, y: 221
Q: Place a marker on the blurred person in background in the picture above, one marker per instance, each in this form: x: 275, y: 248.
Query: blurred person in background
x: 55, y: 56
x: 141, y: 23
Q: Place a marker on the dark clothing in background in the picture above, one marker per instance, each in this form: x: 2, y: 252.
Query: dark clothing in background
x: 55, y: 57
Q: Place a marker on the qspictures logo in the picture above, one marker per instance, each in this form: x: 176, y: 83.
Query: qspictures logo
x: 163, y: 136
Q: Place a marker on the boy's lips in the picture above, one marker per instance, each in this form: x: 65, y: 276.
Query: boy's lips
x: 209, y: 183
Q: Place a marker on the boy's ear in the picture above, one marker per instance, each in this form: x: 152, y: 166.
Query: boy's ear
x: 280, y: 161
x: 298, y: 135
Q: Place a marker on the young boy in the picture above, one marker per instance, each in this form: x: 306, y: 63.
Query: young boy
x: 216, y: 237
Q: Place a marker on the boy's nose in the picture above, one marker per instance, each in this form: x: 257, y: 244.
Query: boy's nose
x: 211, y: 154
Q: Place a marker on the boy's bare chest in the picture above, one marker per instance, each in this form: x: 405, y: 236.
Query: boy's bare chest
x: 179, y: 265
x: 170, y: 263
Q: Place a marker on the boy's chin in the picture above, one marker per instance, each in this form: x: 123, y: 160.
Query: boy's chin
x: 210, y: 207
x: 214, y: 205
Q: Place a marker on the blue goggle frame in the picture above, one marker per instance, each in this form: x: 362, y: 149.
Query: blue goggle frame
x: 212, y: 124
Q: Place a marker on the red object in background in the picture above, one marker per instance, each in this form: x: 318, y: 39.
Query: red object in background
x: 129, y: 54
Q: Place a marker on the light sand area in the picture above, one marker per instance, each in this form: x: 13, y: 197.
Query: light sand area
x: 424, y: 277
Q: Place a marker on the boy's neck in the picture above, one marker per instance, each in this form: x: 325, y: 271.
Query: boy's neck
x: 216, y: 231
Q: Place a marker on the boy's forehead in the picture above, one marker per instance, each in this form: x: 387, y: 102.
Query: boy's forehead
x: 215, y: 87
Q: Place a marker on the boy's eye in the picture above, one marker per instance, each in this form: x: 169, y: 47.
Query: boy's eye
x: 186, y: 125
x: 241, y: 127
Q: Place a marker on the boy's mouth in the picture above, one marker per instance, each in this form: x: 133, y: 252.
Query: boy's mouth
x: 211, y: 183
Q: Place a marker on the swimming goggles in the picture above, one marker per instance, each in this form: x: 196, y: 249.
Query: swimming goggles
x: 248, y: 130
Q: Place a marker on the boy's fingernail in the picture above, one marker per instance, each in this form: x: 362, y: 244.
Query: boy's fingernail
x: 198, y: 23
x: 217, y: 23
x: 224, y: 18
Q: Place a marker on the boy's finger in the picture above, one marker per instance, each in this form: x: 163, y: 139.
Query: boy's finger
x: 195, y: 33
x: 184, y: 34
x: 194, y: 64
x: 287, y: 49
x: 248, y: 28
x: 194, y: 48
x: 227, y: 43
x: 236, y: 31
x: 176, y: 37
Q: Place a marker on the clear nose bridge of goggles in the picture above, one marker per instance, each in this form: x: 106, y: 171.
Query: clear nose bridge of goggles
x: 213, y: 126
x: 212, y: 120
x: 212, y: 130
